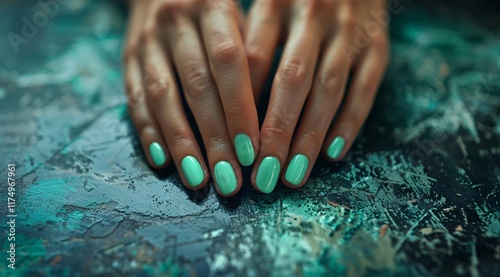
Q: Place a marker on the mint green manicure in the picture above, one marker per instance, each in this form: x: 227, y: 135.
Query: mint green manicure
x: 157, y: 154
x: 267, y: 174
x: 335, y: 148
x: 244, y: 149
x: 192, y: 171
x: 225, y: 177
x: 297, y: 169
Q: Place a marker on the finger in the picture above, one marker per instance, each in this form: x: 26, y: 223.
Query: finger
x: 322, y: 104
x: 166, y: 103
x: 262, y: 36
x: 241, y: 21
x: 229, y: 68
x: 203, y: 99
x: 134, y: 27
x: 366, y: 80
x: 148, y: 130
x: 290, y: 88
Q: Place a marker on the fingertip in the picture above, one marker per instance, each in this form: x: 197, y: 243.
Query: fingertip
x: 194, y: 175
x: 234, y: 192
x: 154, y: 148
x: 202, y: 185
x: 245, y: 149
x: 227, y: 178
x: 338, y: 159
x: 157, y: 155
x: 158, y: 167
x: 287, y: 184
x: 266, y: 174
x: 296, y: 172
x: 335, y: 149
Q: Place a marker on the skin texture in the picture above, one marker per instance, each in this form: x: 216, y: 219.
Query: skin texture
x: 201, y: 42
x: 222, y: 61
x: 324, y: 42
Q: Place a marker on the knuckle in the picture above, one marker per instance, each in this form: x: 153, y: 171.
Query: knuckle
x: 255, y: 56
x: 156, y: 93
x: 135, y: 95
x: 293, y: 73
x: 158, y: 88
x: 348, y: 21
x: 275, y: 132
x: 328, y: 81
x: 235, y: 110
x: 278, y: 127
x: 217, y: 142
x: 199, y: 83
x: 347, y: 18
x: 178, y: 136
x: 226, y: 52
x: 312, y: 137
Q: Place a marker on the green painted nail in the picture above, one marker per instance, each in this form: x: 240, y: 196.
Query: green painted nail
x: 267, y: 174
x: 297, y: 169
x: 157, y: 154
x: 192, y: 171
x: 335, y: 148
x: 244, y: 149
x: 225, y: 177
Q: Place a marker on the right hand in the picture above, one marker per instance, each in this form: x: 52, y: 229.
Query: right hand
x: 200, y: 42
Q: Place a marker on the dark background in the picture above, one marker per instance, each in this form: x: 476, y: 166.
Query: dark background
x: 418, y: 194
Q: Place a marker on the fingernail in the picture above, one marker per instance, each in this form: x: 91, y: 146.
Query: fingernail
x: 225, y: 177
x: 192, y: 171
x: 267, y: 174
x: 335, y: 148
x: 297, y: 169
x: 157, y: 154
x: 244, y: 149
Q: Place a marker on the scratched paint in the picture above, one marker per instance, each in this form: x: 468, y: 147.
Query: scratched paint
x: 43, y: 212
x: 417, y: 195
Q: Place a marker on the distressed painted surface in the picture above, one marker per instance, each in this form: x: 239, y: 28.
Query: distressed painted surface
x: 417, y: 195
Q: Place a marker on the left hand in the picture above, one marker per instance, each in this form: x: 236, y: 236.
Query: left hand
x: 325, y: 42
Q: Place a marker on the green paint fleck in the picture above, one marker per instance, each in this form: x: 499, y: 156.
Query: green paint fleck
x: 44, y: 202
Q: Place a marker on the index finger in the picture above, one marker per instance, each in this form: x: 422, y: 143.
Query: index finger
x: 226, y: 54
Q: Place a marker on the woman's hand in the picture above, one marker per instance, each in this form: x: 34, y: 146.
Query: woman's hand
x: 324, y: 42
x: 199, y: 42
